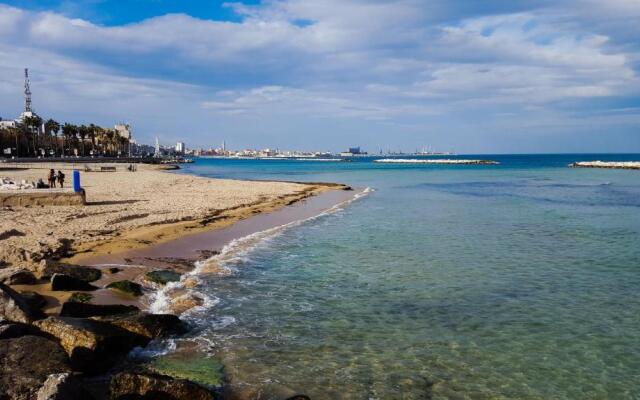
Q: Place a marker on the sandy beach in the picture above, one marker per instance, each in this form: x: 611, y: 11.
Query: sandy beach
x: 127, y: 210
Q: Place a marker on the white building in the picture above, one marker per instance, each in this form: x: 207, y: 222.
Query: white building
x: 7, y: 124
x: 180, y: 148
x: 124, y: 130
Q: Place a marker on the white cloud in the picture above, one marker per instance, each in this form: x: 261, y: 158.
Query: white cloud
x: 334, y: 60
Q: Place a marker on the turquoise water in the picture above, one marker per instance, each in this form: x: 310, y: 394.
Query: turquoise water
x: 516, y: 281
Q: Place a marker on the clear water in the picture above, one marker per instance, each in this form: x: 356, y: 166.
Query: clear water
x: 517, y: 281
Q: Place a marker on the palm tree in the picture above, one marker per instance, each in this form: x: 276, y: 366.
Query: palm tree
x: 68, y: 132
x: 92, y: 136
x: 51, y: 128
x: 16, y: 132
x: 30, y: 126
x: 82, y: 132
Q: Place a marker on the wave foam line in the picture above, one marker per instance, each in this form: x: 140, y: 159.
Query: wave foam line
x: 232, y: 253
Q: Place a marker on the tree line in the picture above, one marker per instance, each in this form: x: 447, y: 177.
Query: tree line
x: 27, y: 139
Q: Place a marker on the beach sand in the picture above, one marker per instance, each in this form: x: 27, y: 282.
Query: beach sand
x: 127, y: 210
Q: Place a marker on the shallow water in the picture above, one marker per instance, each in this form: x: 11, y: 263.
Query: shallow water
x: 517, y: 281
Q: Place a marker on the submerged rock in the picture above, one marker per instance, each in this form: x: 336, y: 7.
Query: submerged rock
x: 92, y: 346
x: 61, y: 282
x: 85, y: 310
x: 206, y: 371
x: 141, y: 385
x: 13, y: 307
x: 162, y: 277
x: 127, y: 287
x: 26, y: 363
x: 47, y: 268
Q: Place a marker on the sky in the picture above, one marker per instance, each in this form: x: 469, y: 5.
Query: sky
x: 470, y: 76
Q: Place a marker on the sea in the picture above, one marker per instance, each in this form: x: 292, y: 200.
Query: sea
x: 519, y: 280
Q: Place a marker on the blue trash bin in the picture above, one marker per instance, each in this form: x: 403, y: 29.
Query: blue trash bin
x: 76, y: 181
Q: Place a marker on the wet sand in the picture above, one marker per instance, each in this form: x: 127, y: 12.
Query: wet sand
x: 181, y: 254
x: 197, y: 246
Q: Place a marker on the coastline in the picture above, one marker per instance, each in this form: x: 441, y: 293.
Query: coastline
x: 256, y: 207
x: 127, y: 210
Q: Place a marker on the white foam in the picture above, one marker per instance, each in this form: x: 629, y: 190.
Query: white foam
x: 235, y: 252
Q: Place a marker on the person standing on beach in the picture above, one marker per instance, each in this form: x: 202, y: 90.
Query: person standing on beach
x: 52, y: 179
x: 61, y: 179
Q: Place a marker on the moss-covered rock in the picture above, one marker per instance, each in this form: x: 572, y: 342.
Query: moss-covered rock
x: 208, y: 372
x: 79, y: 297
x: 162, y: 277
x: 127, y: 287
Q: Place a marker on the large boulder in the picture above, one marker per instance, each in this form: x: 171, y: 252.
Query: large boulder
x: 47, y: 268
x: 13, y: 307
x: 63, y: 386
x: 144, y: 385
x: 148, y: 326
x: 85, y: 310
x: 62, y: 282
x: 17, y: 276
x: 92, y: 346
x: 26, y: 362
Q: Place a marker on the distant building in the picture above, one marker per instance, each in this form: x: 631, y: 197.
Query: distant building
x: 124, y: 130
x: 180, y: 148
x: 7, y: 123
x: 353, y: 151
x: 157, y: 152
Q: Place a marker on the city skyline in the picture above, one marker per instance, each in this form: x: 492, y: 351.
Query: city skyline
x: 529, y: 77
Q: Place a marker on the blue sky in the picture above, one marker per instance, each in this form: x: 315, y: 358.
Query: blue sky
x: 466, y: 76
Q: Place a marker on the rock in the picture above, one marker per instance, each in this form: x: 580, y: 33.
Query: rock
x: 127, y: 287
x: 92, y: 346
x: 61, y: 282
x: 79, y: 297
x: 16, y: 276
x: 162, y: 277
x: 47, y: 268
x: 85, y: 310
x: 10, y: 330
x: 113, y: 270
x: 185, y: 302
x: 13, y: 307
x: 35, y: 300
x: 63, y: 386
x: 27, y: 361
x: 148, y: 326
x: 143, y: 385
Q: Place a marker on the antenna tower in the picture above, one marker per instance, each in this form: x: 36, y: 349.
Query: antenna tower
x: 27, y: 91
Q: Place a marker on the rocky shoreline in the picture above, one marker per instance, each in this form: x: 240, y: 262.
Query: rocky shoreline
x: 81, y: 353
